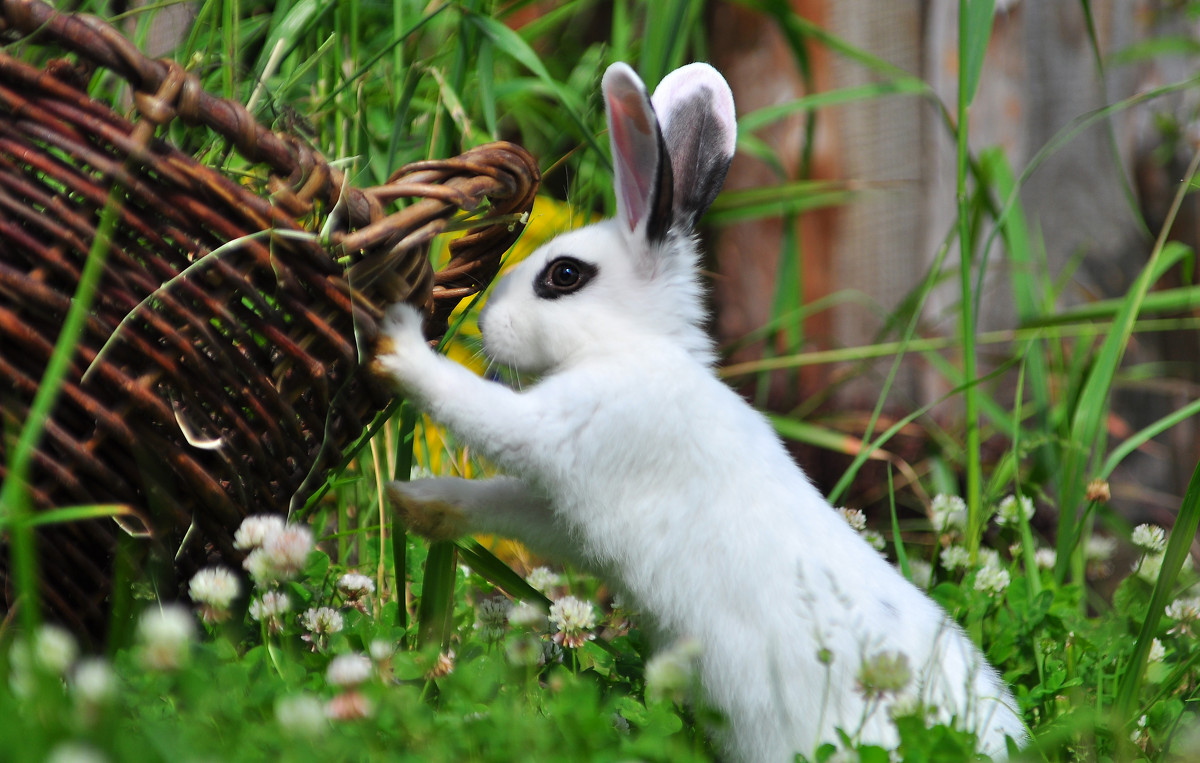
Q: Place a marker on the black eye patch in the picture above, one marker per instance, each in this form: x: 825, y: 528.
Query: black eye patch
x: 563, y: 275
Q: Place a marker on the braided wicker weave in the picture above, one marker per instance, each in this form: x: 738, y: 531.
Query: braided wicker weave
x: 237, y: 387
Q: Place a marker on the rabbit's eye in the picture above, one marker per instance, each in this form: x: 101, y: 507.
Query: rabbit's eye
x: 563, y: 276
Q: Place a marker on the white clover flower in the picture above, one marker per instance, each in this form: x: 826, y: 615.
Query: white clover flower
x: 74, y: 752
x: 255, y: 529
x: 992, y: 579
x: 52, y: 653
x: 1099, y: 548
x: 574, y: 619
x: 289, y: 548
x: 348, y: 706
x: 21, y: 678
x: 955, y: 557
x: 213, y: 589
x: 1139, y: 736
x: 491, y: 617
x: 527, y: 615
x: 884, y: 673
x: 1097, y: 552
x: 543, y: 579
x: 270, y: 608
x: 93, y: 681
x: 949, y: 512
x: 281, y: 556
x: 258, y: 565
x: 1150, y: 538
x: 217, y: 586
x: 1045, y: 558
x: 381, y: 650
x: 165, y: 636
x: 989, y: 557
x: 875, y: 539
x: 1157, y: 651
x: 442, y: 666
x: 354, y: 585
x: 1185, y: 610
x: 669, y: 672
x: 1098, y: 490
x: 907, y: 705
x: 1149, y: 566
x: 322, y: 621
x: 302, y: 714
x: 348, y: 670
x: 55, y: 649
x: 1012, y: 511
x: 921, y: 572
x: 855, y: 518
x: 356, y: 588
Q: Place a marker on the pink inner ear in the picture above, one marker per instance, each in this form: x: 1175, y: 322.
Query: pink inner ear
x: 628, y: 113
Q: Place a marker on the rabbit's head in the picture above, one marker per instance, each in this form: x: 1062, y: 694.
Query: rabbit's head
x: 629, y: 284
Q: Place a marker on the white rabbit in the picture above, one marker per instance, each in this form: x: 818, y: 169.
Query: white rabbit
x: 630, y: 458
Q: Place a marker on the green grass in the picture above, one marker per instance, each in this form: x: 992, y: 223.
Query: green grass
x: 1102, y: 672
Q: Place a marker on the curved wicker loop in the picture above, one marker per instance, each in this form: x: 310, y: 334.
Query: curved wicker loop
x: 101, y: 44
x: 234, y: 378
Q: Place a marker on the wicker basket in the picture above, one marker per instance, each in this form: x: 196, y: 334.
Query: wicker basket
x: 237, y: 387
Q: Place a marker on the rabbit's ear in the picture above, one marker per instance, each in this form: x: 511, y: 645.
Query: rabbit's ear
x: 696, y: 117
x: 642, y: 169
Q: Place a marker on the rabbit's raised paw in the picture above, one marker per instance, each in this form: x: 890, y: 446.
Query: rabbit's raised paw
x: 423, y: 510
x: 401, y: 343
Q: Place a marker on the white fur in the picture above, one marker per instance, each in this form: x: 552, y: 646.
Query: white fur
x: 632, y: 459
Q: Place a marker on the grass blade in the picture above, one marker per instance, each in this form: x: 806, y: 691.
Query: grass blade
x: 14, y: 500
x: 768, y: 115
x: 1177, y: 551
x: 773, y: 201
x: 1178, y: 300
x: 487, y: 564
x: 897, y: 538
x: 1145, y: 434
x: 73, y: 514
x: 1092, y: 405
x: 510, y: 43
x: 870, y: 449
x: 403, y: 472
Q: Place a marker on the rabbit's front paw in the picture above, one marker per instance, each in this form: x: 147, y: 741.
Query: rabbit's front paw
x: 424, y: 510
x: 402, y: 344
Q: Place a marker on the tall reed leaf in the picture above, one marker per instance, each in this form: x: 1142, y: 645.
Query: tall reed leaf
x: 435, y: 615
x: 974, y: 29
